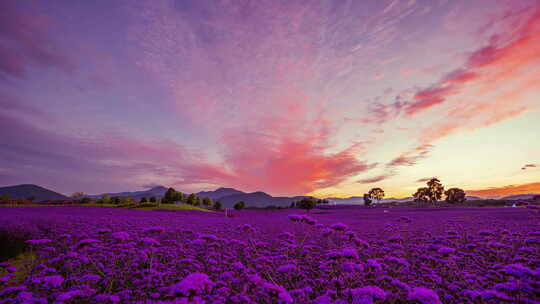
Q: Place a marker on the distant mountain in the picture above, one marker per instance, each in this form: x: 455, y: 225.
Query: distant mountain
x: 229, y: 196
x: 157, y: 191
x: 27, y: 190
x: 219, y: 193
x: 258, y: 199
x: 359, y: 200
x: 473, y: 198
x: 516, y: 197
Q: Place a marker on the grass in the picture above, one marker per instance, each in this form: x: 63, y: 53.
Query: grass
x: 144, y: 206
x: 21, y: 261
x: 175, y: 207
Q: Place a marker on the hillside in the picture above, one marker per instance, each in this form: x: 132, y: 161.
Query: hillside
x: 229, y: 196
x: 219, y: 193
x: 158, y: 191
x: 28, y: 190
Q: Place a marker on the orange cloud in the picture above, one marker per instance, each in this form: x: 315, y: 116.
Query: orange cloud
x: 411, y: 157
x: 507, y: 190
x: 375, y: 179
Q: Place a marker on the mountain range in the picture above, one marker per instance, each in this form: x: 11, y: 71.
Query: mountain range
x: 157, y: 191
x: 227, y: 196
x: 27, y: 190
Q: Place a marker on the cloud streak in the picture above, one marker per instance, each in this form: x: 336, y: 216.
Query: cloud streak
x: 527, y: 166
x: 25, y: 42
x: 506, y: 190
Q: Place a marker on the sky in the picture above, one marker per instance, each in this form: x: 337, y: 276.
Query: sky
x: 327, y: 98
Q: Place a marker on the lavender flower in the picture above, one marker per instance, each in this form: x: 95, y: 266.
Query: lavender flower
x: 424, y: 296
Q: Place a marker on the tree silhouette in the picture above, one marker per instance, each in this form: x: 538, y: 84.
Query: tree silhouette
x: 191, y: 199
x: 455, y: 196
x: 105, y: 199
x: 436, y: 190
x: 178, y: 197
x: 367, y: 199
x: 169, y: 197
x: 144, y: 200
x: 422, y: 195
x: 217, y: 205
x: 153, y: 199
x: 376, y: 193
x: 207, y: 201
x: 307, y: 203
x: 77, y: 195
x: 239, y: 206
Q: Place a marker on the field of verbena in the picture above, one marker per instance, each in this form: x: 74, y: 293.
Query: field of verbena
x: 337, y: 255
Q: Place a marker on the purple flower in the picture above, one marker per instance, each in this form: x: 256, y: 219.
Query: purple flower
x: 68, y: 295
x: 326, y: 232
x: 360, y: 243
x: 517, y: 270
x: 120, y: 236
x: 154, y: 229
x: 103, y: 230
x: 53, y: 281
x: 366, y: 294
x: 286, y: 268
x: 5, y: 264
x: 38, y: 242
x: 338, y: 227
x: 150, y: 241
x: 86, y: 242
x: 11, y: 290
x: 11, y: 269
x: 194, y: 284
x: 295, y: 217
x: 424, y: 296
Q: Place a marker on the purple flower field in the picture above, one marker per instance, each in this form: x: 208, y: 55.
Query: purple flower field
x: 336, y: 255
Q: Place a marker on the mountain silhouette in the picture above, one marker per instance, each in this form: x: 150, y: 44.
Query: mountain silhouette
x: 27, y: 190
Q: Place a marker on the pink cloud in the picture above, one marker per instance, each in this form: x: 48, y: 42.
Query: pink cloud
x: 378, y: 76
x: 375, y: 179
x: 26, y: 42
x: 411, y: 157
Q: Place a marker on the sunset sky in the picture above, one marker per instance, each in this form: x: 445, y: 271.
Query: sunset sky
x: 328, y: 98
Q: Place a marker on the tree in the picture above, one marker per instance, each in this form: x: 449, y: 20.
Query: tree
x: 240, y: 205
x: 169, y: 196
x: 178, y: 197
x: 105, y: 199
x: 85, y: 200
x: 455, y: 196
x: 191, y: 199
x: 207, y: 201
x: 197, y: 201
x: 5, y: 197
x: 126, y: 200
x: 31, y: 198
x: 322, y: 201
x: 307, y: 203
x: 436, y: 190
x: 376, y: 193
x: 115, y: 200
x: 77, y: 195
x: 144, y: 200
x: 217, y: 205
x: 422, y: 195
x: 153, y: 199
x: 367, y: 199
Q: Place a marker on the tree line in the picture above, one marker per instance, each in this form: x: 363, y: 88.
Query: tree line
x: 424, y: 195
